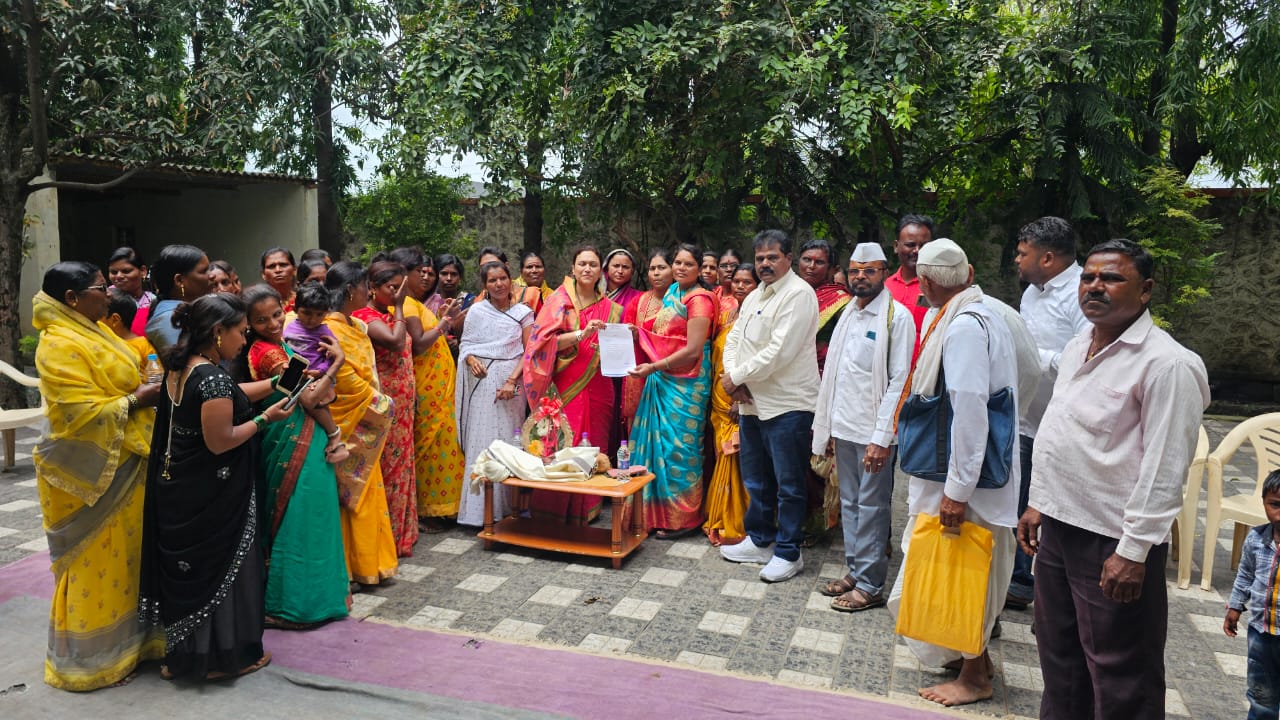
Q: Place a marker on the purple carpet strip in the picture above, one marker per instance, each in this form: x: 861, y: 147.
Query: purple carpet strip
x: 520, y: 676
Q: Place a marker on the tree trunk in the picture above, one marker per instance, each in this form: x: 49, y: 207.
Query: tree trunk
x: 330, y: 228
x: 534, y: 155
x: 12, y: 211
x: 1152, y: 133
x: 533, y: 220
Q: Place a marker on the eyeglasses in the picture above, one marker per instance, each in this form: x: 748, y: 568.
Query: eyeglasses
x: 100, y: 288
x: 854, y: 272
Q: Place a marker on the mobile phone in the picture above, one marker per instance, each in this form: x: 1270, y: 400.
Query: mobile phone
x: 296, y: 395
x: 293, y: 375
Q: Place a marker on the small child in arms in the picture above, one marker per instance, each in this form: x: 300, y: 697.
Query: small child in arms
x: 307, y: 336
x: 121, y: 309
x: 266, y: 318
x: 1256, y: 586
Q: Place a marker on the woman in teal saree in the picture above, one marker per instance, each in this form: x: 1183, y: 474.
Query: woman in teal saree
x: 307, y: 580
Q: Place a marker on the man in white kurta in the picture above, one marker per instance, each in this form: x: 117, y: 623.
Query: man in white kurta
x: 868, y: 360
x: 973, y: 348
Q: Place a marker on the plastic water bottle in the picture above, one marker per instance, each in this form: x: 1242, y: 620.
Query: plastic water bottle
x: 153, y: 369
x: 624, y: 456
x: 515, y: 439
x: 586, y: 441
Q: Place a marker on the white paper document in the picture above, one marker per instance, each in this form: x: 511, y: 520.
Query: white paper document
x: 617, y: 350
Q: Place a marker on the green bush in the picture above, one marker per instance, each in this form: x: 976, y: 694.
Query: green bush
x: 1180, y: 241
x: 410, y: 211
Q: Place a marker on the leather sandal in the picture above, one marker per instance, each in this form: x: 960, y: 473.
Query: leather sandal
x: 836, y: 588
x: 856, y: 601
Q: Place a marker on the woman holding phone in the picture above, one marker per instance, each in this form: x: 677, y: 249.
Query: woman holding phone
x: 302, y: 528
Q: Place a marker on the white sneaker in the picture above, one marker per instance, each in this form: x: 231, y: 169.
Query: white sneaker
x: 778, y: 569
x: 747, y: 552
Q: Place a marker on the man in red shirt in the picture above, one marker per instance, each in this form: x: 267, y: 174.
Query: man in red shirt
x: 913, y: 232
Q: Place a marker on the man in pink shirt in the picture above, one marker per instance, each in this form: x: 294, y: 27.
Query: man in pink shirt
x: 913, y: 232
x: 1111, y: 457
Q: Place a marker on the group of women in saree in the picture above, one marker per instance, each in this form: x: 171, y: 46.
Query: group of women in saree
x: 187, y: 515
x: 668, y: 403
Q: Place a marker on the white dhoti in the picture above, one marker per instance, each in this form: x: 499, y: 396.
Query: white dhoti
x: 1002, y: 554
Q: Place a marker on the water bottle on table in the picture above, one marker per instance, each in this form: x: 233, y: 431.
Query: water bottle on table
x: 624, y: 457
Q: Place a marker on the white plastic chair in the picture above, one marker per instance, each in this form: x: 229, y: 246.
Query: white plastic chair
x: 11, y: 420
x: 1185, y: 524
x: 1244, y: 509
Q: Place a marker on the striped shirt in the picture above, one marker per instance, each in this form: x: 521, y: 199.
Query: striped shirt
x: 1256, y: 583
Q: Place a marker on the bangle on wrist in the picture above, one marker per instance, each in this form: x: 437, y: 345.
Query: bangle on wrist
x: 275, y: 381
x: 336, y: 432
x: 133, y: 401
x: 259, y: 421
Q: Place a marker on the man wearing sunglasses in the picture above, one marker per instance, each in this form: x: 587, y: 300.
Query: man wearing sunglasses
x: 867, y: 365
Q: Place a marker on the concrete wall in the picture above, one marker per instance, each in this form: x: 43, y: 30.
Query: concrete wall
x: 230, y: 224
x: 234, y: 224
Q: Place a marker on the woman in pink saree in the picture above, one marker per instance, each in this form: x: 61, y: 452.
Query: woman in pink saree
x: 563, y: 360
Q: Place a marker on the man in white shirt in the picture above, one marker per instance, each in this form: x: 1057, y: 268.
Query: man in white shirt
x: 1046, y: 260
x: 970, y: 346
x: 868, y: 360
x: 771, y: 369
x: 1110, y: 461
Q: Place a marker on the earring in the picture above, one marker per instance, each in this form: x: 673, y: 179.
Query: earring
x: 74, y: 303
x: 183, y: 289
x: 219, y: 341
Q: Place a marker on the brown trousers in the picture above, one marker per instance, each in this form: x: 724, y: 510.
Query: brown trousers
x: 1101, y: 659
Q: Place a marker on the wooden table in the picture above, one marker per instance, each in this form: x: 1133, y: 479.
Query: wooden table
x: 530, y: 532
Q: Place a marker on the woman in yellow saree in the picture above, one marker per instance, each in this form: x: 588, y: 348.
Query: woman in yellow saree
x: 438, y: 461
x: 363, y: 414
x: 91, y: 474
x: 726, y: 502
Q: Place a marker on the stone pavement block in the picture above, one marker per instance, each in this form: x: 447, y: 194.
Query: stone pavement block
x: 434, y: 617
x: 536, y: 612
x: 658, y: 644
x: 810, y: 662
x: 604, y: 644
x: 707, y: 643
x: 699, y: 660
x: 619, y: 626
x: 512, y: 629
x: 806, y: 679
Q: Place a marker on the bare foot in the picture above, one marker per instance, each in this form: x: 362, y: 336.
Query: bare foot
x: 973, y: 685
x: 956, y: 692
x: 124, y: 680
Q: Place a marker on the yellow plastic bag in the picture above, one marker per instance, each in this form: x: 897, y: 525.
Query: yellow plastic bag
x: 944, y: 585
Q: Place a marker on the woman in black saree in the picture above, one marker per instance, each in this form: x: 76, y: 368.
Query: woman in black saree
x: 203, y: 571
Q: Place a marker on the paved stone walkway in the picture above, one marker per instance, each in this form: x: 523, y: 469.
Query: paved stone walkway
x: 679, y: 602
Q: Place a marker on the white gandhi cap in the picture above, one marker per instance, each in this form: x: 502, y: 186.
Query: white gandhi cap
x: 868, y: 252
x: 943, y: 252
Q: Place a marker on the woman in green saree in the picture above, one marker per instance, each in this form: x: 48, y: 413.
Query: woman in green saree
x: 302, y: 533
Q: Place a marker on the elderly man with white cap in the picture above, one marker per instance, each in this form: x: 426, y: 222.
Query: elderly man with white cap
x: 970, y: 348
x: 868, y: 361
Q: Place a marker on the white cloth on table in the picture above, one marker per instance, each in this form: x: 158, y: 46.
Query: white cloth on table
x: 500, y: 461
